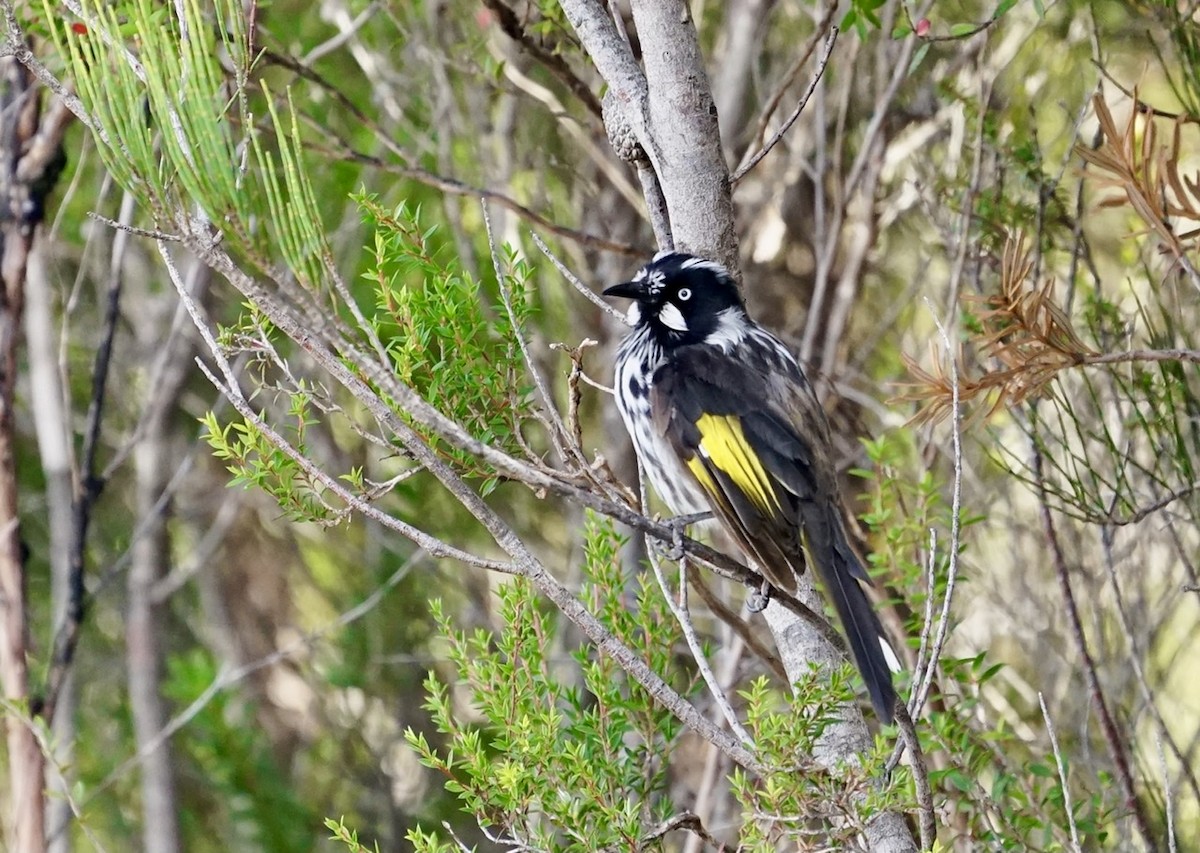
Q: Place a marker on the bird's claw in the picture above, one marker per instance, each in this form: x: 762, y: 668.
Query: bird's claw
x: 759, y: 598
x: 679, y: 525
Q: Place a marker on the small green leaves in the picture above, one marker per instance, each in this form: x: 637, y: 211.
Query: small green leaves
x: 445, y: 333
x: 558, y: 762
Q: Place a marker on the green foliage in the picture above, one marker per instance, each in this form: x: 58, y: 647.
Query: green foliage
x: 349, y: 837
x: 253, y: 186
x: 1006, y: 794
x: 444, y: 338
x: 569, y: 757
x: 198, y: 124
x: 257, y: 462
x: 782, y: 805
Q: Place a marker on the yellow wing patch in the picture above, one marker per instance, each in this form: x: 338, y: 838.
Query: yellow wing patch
x: 724, y: 445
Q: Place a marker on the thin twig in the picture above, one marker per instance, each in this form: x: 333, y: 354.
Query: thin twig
x: 1062, y: 774
x: 679, y: 608
x: 917, y: 702
x: 737, y: 623
x: 550, y: 58
x: 132, y: 229
x: 1108, y: 727
x: 591, y: 295
x: 344, y: 34
x: 687, y: 821
x: 89, y: 484
x: 560, y: 435
x: 919, y: 668
x: 830, y: 41
x: 789, y: 77
x: 574, y: 394
x: 1167, y: 793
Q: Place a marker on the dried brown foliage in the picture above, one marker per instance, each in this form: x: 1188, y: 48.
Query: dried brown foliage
x: 1131, y: 159
x: 1023, y: 332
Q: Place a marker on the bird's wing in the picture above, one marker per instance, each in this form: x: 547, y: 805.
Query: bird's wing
x: 727, y: 419
x: 753, y: 435
x: 700, y: 405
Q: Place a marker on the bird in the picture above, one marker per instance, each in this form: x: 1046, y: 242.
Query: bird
x: 724, y: 421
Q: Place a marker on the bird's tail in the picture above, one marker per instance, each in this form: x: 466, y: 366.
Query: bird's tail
x: 842, y: 575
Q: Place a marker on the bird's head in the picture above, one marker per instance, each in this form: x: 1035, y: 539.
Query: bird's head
x: 682, y: 298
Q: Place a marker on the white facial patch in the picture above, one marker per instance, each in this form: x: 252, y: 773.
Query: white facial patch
x: 730, y: 330
x: 671, y: 317
x: 634, y: 315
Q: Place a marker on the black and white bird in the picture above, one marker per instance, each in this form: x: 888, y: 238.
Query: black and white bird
x: 724, y: 420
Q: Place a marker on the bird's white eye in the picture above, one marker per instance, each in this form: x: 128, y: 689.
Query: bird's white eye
x: 685, y: 293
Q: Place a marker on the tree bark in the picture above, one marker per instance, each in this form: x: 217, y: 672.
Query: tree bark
x: 52, y: 426
x: 19, y: 115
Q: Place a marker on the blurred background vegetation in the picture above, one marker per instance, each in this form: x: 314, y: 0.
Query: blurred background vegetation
x: 953, y: 167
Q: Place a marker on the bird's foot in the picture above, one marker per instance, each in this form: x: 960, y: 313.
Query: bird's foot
x: 759, y: 598
x: 679, y: 525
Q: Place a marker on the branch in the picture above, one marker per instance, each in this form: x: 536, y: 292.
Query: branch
x: 1108, y: 727
x: 90, y: 482
x: 754, y: 159
x: 553, y: 62
x: 790, y: 76
x: 1062, y: 774
x: 679, y: 609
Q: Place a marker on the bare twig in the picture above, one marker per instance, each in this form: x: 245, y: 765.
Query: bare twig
x: 591, y: 295
x: 132, y: 229
x: 560, y: 435
x: 689, y: 822
x: 90, y: 483
x: 754, y: 159
x: 789, y: 77
x: 1168, y: 794
x: 345, y: 33
x: 917, y: 701
x: 679, y: 608
x: 737, y: 623
x: 1112, y: 737
x: 549, y: 58
x: 1062, y: 775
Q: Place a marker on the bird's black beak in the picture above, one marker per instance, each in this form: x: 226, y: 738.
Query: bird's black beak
x: 627, y: 290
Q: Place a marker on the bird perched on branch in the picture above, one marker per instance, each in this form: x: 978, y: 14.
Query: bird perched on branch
x: 724, y: 420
